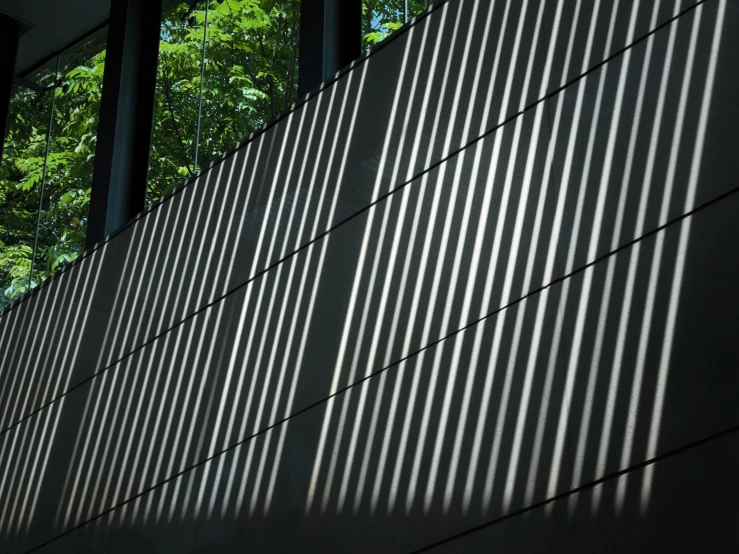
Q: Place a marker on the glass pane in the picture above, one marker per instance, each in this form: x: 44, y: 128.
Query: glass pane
x: 251, y: 72
x: 65, y: 205
x: 20, y: 182
x: 381, y: 17
x: 177, y: 99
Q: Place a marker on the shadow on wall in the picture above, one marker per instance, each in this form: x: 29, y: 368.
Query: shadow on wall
x: 446, y: 357
x: 465, y: 68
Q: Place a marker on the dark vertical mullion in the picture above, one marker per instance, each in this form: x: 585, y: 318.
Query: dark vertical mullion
x: 202, y: 81
x: 330, y: 38
x: 44, y: 170
x: 126, y: 117
x: 10, y: 32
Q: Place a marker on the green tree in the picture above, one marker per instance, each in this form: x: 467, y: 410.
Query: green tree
x: 250, y: 78
x: 66, y: 191
x: 23, y: 157
x: 381, y: 17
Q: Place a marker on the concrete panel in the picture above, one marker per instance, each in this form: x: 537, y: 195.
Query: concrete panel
x: 350, y: 471
x: 563, y: 388
x: 50, y: 341
x: 431, y: 91
x: 336, y: 312
x: 453, y: 76
x: 647, y: 345
x: 619, y: 363
x: 647, y: 137
x: 588, y: 33
x: 693, y: 510
x: 457, y: 73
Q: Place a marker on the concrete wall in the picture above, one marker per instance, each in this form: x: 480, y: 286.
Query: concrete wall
x: 478, y: 293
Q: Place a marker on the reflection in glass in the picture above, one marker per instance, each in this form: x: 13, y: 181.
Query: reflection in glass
x: 381, y: 17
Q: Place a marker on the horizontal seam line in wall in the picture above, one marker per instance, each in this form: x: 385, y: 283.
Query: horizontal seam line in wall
x: 536, y: 505
x: 468, y: 325
x: 626, y: 48
x: 409, y: 356
x: 585, y: 487
x: 250, y: 280
x: 335, y: 227
x: 325, y: 86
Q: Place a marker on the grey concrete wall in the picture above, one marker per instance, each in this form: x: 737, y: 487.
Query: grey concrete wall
x: 477, y: 293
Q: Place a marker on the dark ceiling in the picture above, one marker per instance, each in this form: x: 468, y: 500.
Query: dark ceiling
x: 54, y: 25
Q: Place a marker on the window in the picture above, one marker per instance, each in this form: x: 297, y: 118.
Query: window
x: 381, y: 17
x: 47, y: 166
x: 246, y: 53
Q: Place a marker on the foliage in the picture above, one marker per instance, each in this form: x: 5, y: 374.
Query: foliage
x: 382, y: 17
x: 250, y: 77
